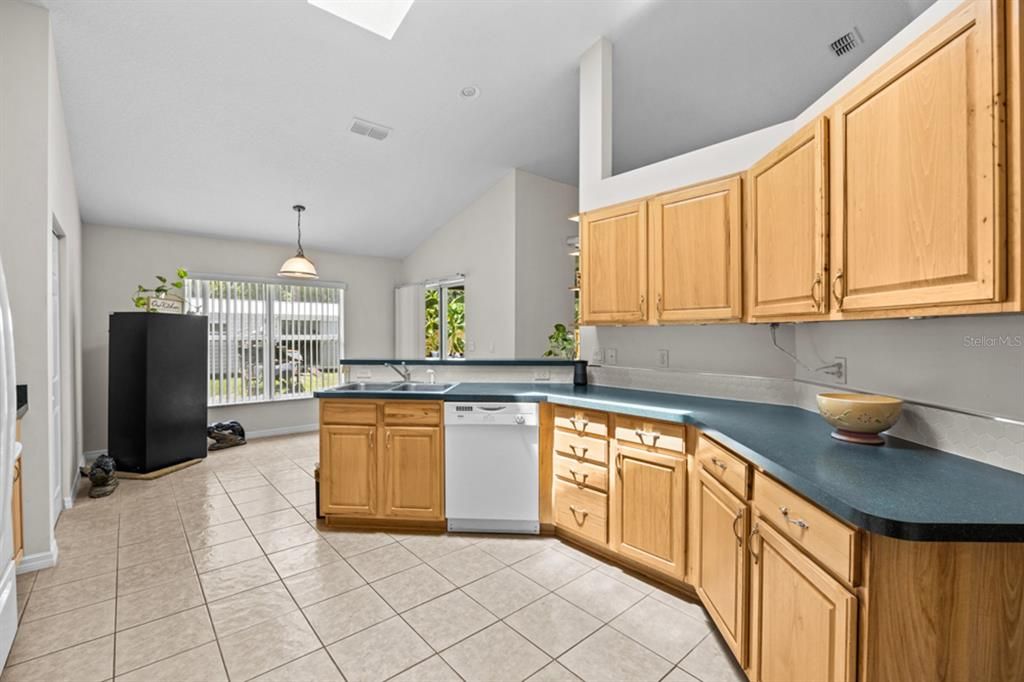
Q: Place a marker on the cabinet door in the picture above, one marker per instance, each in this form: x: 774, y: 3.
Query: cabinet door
x: 917, y: 174
x: 696, y: 257
x: 613, y: 264
x: 803, y: 623
x: 649, y: 503
x: 721, y: 567
x: 788, y: 214
x: 348, y: 470
x: 412, y: 473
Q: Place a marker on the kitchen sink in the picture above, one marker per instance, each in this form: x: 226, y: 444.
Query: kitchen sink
x: 423, y: 388
x: 388, y: 387
x: 362, y: 386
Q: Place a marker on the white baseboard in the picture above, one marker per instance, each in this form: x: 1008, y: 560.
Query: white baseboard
x: 69, y: 500
x: 39, y: 560
x: 8, y: 611
x: 91, y: 455
x: 283, y: 431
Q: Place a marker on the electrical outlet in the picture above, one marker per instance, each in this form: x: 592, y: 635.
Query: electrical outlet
x: 363, y: 374
x: 837, y: 370
x: 597, y: 357
x: 611, y: 356
x: 663, y: 357
x: 542, y: 375
x: 470, y: 346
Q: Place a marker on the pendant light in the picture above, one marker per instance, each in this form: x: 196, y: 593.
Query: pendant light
x: 298, y: 266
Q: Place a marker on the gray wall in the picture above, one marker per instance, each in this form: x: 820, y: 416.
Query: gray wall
x: 117, y: 259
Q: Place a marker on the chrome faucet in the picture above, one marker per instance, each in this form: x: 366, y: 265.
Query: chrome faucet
x: 403, y: 371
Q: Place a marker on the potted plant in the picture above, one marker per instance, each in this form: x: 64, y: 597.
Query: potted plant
x: 561, y: 343
x: 161, y: 298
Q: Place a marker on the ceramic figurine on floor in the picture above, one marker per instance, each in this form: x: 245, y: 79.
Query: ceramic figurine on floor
x: 226, y: 435
x: 103, y: 476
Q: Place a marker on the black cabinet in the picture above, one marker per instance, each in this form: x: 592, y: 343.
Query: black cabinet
x: 157, y: 390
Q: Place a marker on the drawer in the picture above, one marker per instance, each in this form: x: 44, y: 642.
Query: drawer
x: 582, y: 448
x: 727, y: 468
x: 827, y: 539
x: 582, y: 422
x: 412, y: 412
x: 347, y: 412
x: 581, y: 511
x: 582, y: 473
x: 650, y: 433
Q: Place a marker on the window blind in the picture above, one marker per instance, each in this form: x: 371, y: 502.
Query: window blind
x: 268, y: 340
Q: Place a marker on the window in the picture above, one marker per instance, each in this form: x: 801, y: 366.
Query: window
x: 268, y: 340
x: 445, y: 328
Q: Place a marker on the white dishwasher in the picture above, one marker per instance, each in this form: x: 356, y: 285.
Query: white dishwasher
x: 491, y: 467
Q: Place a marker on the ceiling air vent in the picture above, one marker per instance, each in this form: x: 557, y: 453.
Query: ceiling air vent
x: 368, y: 129
x: 845, y: 43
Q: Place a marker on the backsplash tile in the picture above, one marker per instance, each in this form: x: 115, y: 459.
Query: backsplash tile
x: 999, y: 443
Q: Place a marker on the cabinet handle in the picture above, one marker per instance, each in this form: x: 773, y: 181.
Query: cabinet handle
x: 736, y: 531
x: 719, y: 463
x: 618, y: 463
x: 578, y: 455
x: 799, y: 523
x: 838, y: 294
x: 581, y: 481
x: 814, y: 292
x: 582, y: 512
x: 654, y: 437
x: 373, y: 438
x: 659, y: 305
x: 643, y: 300
x: 754, y: 555
x: 387, y: 439
x: 580, y: 430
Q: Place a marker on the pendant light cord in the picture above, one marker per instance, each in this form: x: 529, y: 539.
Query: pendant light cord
x: 299, y: 210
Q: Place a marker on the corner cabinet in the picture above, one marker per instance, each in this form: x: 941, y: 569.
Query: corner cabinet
x: 382, y: 461
x: 787, y: 204
x: 918, y: 202
x: 613, y: 264
x: 696, y: 271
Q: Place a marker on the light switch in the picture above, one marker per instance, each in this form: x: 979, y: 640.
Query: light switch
x: 663, y: 357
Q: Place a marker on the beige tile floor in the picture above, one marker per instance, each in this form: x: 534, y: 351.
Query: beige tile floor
x: 219, y: 572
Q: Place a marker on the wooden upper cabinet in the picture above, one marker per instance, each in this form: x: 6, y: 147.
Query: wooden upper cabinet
x: 613, y: 264
x: 916, y: 212
x: 412, y: 472
x: 803, y: 623
x: 348, y: 470
x: 787, y: 207
x: 696, y: 256
x: 649, y: 508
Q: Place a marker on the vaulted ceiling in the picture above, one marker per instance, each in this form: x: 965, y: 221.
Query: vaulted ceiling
x: 215, y: 117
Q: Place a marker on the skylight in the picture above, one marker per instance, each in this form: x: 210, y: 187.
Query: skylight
x: 382, y: 17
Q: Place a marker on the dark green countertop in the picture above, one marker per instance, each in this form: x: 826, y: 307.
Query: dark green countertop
x: 901, y: 489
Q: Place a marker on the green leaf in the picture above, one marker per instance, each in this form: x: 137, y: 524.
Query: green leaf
x: 182, y: 273
x: 162, y: 279
x: 161, y: 290
x: 177, y: 285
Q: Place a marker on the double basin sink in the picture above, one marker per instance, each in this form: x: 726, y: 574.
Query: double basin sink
x: 394, y: 387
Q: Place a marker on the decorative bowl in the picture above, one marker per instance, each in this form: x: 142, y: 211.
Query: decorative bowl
x: 859, y: 417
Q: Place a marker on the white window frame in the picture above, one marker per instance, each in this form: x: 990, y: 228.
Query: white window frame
x: 442, y: 287
x: 270, y: 335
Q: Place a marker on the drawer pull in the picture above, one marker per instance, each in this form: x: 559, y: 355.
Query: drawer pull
x: 719, y: 463
x: 799, y: 523
x: 653, y: 436
x: 578, y: 455
x: 581, y: 481
x: 582, y: 428
x: 754, y: 555
x: 735, y: 530
x: 583, y: 513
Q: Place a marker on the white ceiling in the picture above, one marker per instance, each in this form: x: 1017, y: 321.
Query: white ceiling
x: 215, y: 117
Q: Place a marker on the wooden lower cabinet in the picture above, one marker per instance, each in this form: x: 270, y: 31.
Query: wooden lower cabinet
x: 16, y: 514
x: 348, y: 470
x: 803, y: 622
x: 649, y: 506
x: 721, y: 566
x: 386, y: 465
x: 413, y: 481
